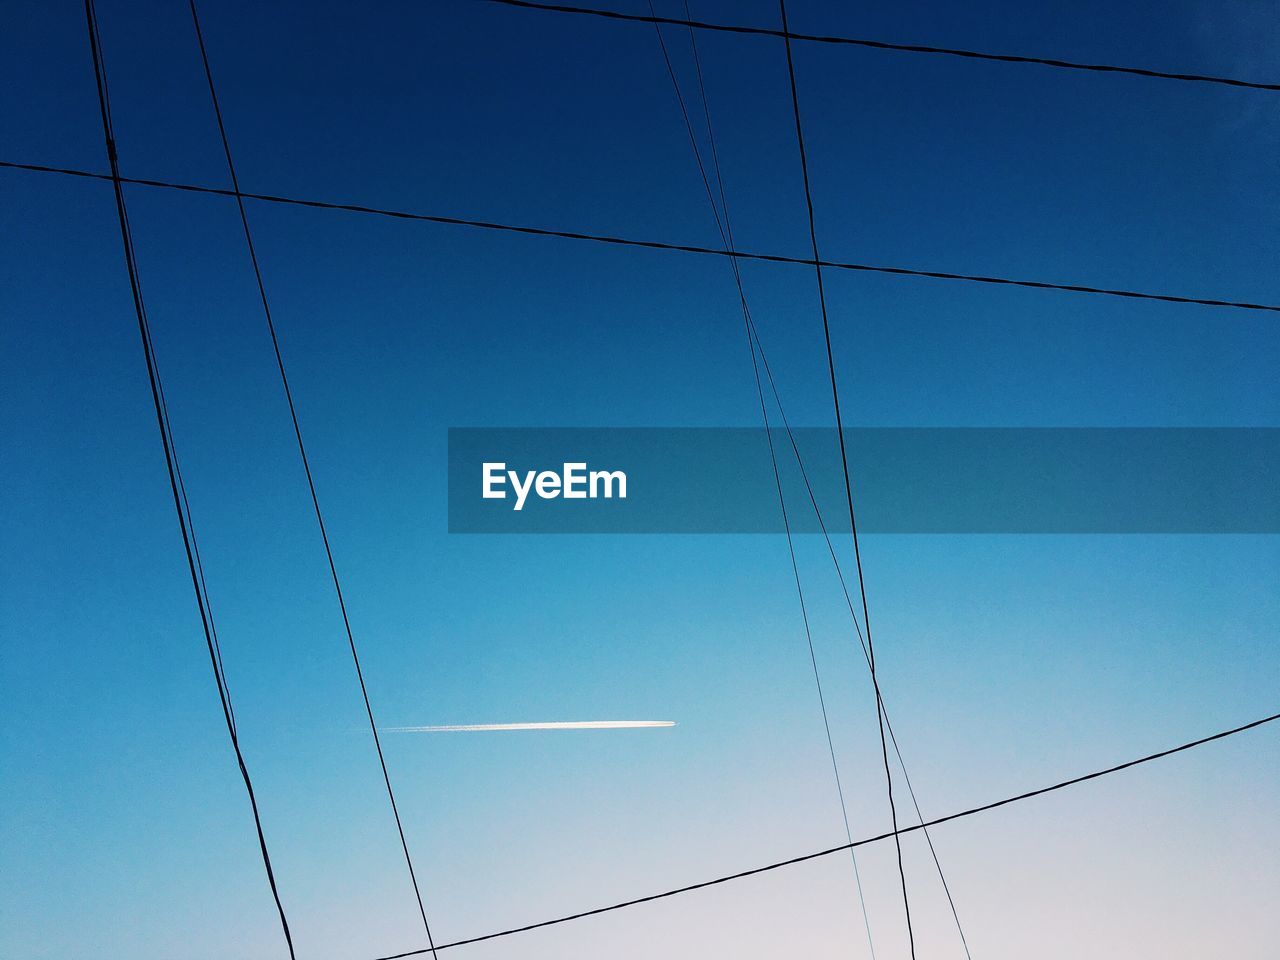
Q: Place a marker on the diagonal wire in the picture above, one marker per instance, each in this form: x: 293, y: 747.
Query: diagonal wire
x: 649, y: 244
x: 835, y: 560
x: 866, y: 841
x: 844, y: 462
x: 195, y: 549
x: 725, y: 228
x: 753, y: 333
x: 862, y: 643
x: 306, y: 465
x: 177, y: 487
x: 899, y: 47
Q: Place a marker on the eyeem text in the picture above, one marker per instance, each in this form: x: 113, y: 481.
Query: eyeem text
x: 574, y: 482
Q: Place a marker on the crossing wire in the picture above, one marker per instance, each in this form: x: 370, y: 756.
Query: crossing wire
x: 177, y: 487
x: 853, y: 616
x: 886, y: 45
x: 844, y: 463
x: 830, y: 851
x: 647, y: 244
x: 724, y: 226
x: 756, y: 344
x: 306, y: 463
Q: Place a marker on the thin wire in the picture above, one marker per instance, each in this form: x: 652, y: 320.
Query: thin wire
x: 306, y: 464
x: 899, y: 47
x: 804, y: 858
x: 725, y: 229
x: 648, y: 244
x: 177, y: 489
x: 848, y: 486
x: 753, y: 332
x: 955, y: 914
x: 186, y: 505
x: 813, y: 659
x: 195, y: 549
x: 219, y: 666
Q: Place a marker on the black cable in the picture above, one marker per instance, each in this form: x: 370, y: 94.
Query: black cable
x: 220, y: 668
x: 893, y: 738
x: 753, y: 333
x: 804, y: 858
x: 853, y: 616
x: 885, y: 45
x: 176, y: 488
x: 195, y: 549
x: 725, y: 229
x: 648, y: 244
x: 848, y: 486
x: 306, y: 464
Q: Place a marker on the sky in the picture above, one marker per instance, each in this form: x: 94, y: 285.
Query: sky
x: 1007, y: 662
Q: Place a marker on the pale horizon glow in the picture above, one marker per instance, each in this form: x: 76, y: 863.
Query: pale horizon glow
x: 546, y: 725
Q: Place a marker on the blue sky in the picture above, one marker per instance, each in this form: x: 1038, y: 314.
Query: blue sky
x: 1007, y: 662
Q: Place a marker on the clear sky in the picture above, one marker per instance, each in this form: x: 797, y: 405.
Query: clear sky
x: 1007, y: 662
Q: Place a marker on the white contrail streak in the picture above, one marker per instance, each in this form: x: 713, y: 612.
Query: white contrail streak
x: 552, y: 725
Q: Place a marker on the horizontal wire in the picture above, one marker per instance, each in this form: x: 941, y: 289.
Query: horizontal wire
x: 844, y: 846
x: 654, y: 244
x: 885, y: 45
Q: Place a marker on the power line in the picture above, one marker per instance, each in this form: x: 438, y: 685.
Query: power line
x: 725, y: 229
x: 853, y: 616
x: 893, y: 739
x: 898, y: 47
x: 650, y: 244
x: 195, y: 549
x: 153, y: 373
x: 177, y: 488
x: 848, y: 487
x: 180, y: 502
x: 306, y: 464
x: 804, y: 858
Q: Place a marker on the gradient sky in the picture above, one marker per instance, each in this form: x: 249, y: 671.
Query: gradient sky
x: 1007, y: 662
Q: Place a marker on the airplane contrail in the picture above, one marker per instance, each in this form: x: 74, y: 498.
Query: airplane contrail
x: 551, y: 725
